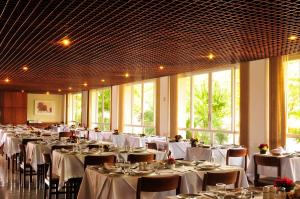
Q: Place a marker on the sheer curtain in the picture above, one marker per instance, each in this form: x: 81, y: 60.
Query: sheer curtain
x: 277, y: 105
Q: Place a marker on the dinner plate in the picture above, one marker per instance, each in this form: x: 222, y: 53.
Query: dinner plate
x: 189, y: 195
x: 115, y: 174
x: 185, y: 162
x: 142, y: 173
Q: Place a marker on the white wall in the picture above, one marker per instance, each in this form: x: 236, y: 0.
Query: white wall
x: 258, y: 100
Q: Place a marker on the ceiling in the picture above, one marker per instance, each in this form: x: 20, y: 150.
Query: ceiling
x: 113, y: 37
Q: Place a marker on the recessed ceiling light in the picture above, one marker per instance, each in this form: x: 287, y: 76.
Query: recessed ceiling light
x: 47, y: 93
x: 65, y: 42
x: 7, y: 80
x: 25, y: 68
x: 292, y: 37
x: 126, y: 75
x: 85, y: 84
x: 210, y: 56
x: 70, y: 88
x: 161, y: 67
x: 22, y: 91
x: 59, y: 90
x: 102, y: 80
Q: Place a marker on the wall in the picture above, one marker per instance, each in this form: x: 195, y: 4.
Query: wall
x: 58, y: 112
x: 258, y: 104
x: 13, y: 106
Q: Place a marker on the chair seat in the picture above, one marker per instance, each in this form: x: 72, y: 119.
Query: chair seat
x: 54, y: 179
x: 23, y: 166
x: 267, y: 180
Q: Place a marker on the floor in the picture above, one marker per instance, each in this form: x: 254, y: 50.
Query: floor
x: 10, y: 187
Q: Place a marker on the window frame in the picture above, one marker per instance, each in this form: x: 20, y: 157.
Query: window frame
x: 72, y: 106
x: 234, y: 132
x: 142, y: 125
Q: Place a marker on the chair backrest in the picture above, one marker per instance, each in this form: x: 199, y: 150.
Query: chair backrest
x: 266, y: 161
x: 26, y: 140
x: 237, y: 153
x: 93, y: 146
x: 98, y: 160
x: 158, y: 184
x: 133, y: 158
x: 151, y: 145
x: 211, y: 179
x: 22, y: 152
x: 54, y: 147
x: 64, y: 134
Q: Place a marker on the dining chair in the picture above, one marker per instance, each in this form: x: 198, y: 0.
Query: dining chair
x: 242, y: 152
x: 228, y: 178
x: 151, y: 145
x: 158, y: 184
x: 25, y: 168
x: 51, y: 181
x: 64, y: 134
x: 98, y: 160
x: 269, y: 161
x: 133, y: 158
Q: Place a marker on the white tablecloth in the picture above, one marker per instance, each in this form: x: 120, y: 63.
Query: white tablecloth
x: 96, y: 185
x: 34, y: 153
x: 218, y: 155
x: 178, y: 149
x: 290, y: 167
x: 11, y: 145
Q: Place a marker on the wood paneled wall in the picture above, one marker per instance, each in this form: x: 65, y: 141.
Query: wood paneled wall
x: 13, y: 107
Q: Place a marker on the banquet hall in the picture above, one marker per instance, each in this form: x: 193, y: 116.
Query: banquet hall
x: 151, y: 99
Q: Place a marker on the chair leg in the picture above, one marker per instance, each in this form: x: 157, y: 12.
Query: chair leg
x: 30, y: 175
x: 24, y: 176
x: 20, y: 176
x: 45, y: 191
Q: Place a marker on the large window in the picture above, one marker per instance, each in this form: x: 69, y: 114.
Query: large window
x: 139, y: 103
x: 74, y: 108
x: 102, y: 102
x: 208, y: 106
x: 293, y: 103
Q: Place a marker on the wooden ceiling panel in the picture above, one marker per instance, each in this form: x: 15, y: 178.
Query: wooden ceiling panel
x: 111, y: 38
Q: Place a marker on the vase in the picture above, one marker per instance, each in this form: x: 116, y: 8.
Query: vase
x: 263, y: 151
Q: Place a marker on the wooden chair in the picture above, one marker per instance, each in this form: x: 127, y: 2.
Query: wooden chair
x: 158, y: 184
x: 237, y: 153
x: 266, y: 161
x: 98, y: 160
x: 93, y: 146
x: 211, y: 179
x: 152, y: 145
x: 25, y: 169
x: 64, y: 134
x: 133, y: 158
x: 51, y: 181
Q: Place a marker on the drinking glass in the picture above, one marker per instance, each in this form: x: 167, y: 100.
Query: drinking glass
x: 221, y: 190
x: 280, y: 193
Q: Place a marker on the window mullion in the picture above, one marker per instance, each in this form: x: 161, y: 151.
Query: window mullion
x: 210, y: 106
x: 192, y: 103
x: 142, y: 107
x: 233, y: 102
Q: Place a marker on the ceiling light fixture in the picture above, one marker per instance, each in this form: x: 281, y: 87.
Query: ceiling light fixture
x: 59, y: 90
x: 25, y: 68
x: 161, y: 67
x: 70, y: 88
x: 47, y: 93
x: 7, y: 80
x: 292, y: 37
x: 65, y: 42
x: 210, y: 56
x: 102, y: 80
x: 126, y: 75
x: 22, y: 91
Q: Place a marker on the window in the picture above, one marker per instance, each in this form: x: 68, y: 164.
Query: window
x: 74, y: 108
x: 102, y: 100
x: 208, y: 106
x: 293, y: 104
x: 139, y: 103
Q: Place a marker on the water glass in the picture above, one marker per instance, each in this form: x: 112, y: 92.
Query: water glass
x: 280, y: 193
x: 221, y: 190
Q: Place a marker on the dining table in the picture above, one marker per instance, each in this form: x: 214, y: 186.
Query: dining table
x: 290, y: 164
x: 98, y: 184
x: 70, y: 164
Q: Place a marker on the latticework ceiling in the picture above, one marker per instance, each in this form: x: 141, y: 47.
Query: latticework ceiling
x: 113, y: 37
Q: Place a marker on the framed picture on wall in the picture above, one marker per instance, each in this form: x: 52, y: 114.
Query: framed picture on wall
x: 44, y: 107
